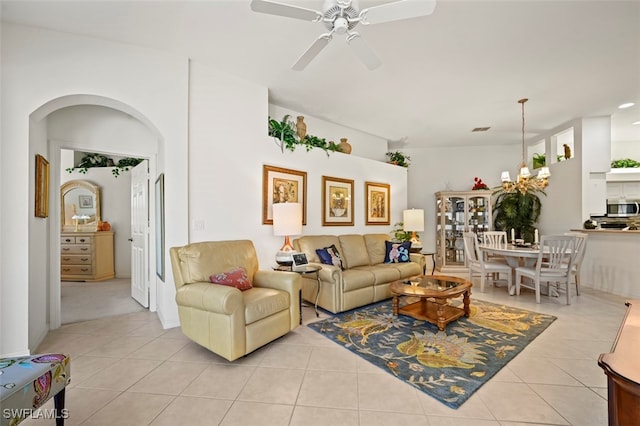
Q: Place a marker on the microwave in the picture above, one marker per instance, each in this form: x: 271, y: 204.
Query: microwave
x: 623, y: 208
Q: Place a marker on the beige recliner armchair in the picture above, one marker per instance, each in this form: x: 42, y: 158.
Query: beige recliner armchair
x: 223, y: 319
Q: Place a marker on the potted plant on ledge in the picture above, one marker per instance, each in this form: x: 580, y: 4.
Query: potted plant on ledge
x: 398, y: 158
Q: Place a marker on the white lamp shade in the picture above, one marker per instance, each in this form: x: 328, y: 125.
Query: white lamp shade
x: 287, y: 219
x: 505, y: 177
x: 544, y: 173
x: 524, y: 172
x: 413, y: 220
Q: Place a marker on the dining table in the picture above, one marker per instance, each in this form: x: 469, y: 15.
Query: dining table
x: 514, y: 254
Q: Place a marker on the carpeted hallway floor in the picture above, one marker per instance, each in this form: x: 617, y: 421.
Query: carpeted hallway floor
x: 83, y: 301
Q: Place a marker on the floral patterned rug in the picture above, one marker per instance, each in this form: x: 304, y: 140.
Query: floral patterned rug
x: 448, y: 365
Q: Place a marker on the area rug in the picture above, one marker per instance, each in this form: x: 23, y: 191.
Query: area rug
x: 448, y: 365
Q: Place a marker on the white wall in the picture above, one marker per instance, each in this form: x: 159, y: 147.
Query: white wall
x: 438, y: 169
x: 229, y: 146
x: 620, y: 150
x: 41, y: 72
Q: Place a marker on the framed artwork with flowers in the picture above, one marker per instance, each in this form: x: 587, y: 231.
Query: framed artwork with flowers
x: 378, y: 202
x: 281, y: 185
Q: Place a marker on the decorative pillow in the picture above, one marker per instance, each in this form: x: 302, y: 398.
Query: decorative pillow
x: 397, y: 252
x: 236, y: 277
x: 330, y: 256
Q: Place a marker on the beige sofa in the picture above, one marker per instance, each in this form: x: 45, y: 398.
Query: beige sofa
x: 365, y: 279
x: 223, y: 319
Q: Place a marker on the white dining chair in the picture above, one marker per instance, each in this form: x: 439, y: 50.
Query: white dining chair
x: 554, y: 264
x: 493, y: 238
x: 581, y: 247
x: 478, y: 265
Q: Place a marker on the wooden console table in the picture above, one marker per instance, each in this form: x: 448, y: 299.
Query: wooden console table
x: 623, y: 371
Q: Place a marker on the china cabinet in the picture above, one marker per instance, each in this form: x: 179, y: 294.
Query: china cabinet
x: 458, y: 212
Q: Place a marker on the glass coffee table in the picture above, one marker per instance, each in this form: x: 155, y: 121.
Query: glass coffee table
x: 434, y: 292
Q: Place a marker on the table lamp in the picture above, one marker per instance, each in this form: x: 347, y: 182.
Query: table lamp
x: 287, y: 221
x: 413, y: 220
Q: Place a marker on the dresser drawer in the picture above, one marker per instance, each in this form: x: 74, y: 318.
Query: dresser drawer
x: 68, y: 240
x: 84, y: 240
x: 76, y: 249
x: 76, y: 269
x: 75, y: 259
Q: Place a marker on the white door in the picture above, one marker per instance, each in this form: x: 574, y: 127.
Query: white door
x: 140, y: 233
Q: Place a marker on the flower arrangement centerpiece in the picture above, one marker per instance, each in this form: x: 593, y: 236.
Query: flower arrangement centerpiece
x: 479, y: 184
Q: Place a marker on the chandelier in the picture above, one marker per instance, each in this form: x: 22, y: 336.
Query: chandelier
x: 525, y: 181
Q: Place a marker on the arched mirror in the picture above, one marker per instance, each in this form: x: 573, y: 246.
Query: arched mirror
x: 79, y: 206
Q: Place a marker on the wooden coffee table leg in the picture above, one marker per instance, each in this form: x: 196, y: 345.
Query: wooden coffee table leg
x: 465, y: 301
x: 395, y: 304
x: 440, y: 314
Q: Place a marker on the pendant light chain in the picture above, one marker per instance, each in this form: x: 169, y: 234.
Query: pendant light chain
x: 522, y: 101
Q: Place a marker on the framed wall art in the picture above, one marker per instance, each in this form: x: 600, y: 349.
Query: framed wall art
x: 85, y: 201
x: 282, y: 186
x: 160, y: 226
x: 337, y: 201
x: 378, y: 201
x: 42, y: 187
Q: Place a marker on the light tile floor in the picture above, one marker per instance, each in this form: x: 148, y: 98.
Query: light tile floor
x: 128, y: 370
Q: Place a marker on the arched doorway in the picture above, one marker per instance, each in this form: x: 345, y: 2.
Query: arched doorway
x: 41, y: 129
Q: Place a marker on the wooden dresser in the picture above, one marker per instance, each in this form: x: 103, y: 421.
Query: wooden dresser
x: 86, y: 256
x: 623, y: 370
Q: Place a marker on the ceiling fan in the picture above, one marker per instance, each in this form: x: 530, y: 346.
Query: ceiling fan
x: 341, y: 17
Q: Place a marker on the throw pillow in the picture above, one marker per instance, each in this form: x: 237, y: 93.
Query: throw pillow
x: 236, y: 277
x: 397, y: 252
x: 330, y: 256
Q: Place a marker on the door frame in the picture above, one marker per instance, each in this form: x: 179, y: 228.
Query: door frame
x: 55, y: 305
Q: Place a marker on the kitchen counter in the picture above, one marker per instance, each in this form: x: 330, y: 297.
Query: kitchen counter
x: 611, y: 261
x: 606, y: 231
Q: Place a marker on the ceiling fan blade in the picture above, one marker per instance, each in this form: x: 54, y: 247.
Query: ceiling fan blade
x: 281, y: 9
x: 395, y: 11
x: 312, y: 52
x: 363, y: 51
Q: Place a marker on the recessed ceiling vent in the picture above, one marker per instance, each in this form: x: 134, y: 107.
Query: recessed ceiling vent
x: 481, y: 129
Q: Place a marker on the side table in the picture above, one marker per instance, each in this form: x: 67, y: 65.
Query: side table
x: 307, y: 269
x: 433, y: 259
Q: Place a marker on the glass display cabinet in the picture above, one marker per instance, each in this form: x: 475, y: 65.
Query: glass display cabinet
x: 458, y: 212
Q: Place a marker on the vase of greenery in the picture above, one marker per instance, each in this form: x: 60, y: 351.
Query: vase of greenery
x: 517, y: 210
x: 398, y: 158
x: 287, y: 136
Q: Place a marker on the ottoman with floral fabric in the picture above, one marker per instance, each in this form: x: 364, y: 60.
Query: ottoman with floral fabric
x: 26, y: 383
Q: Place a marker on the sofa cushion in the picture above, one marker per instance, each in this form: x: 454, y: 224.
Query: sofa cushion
x: 354, y: 279
x: 376, y: 247
x: 397, y: 252
x: 235, y: 277
x: 354, y: 251
x: 330, y: 256
x: 382, y: 273
x: 408, y: 269
x: 262, y: 302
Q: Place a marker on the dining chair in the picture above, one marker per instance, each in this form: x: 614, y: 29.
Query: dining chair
x: 581, y: 247
x: 554, y: 264
x: 478, y: 265
x: 494, y: 237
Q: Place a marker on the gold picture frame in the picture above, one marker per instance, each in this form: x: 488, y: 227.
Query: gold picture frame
x: 378, y: 202
x: 337, y: 201
x: 42, y: 187
x: 281, y: 185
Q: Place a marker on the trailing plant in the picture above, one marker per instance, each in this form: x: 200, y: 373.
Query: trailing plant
x: 518, y: 211
x: 284, y: 131
x: 624, y: 163
x: 398, y: 158
x: 91, y: 160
